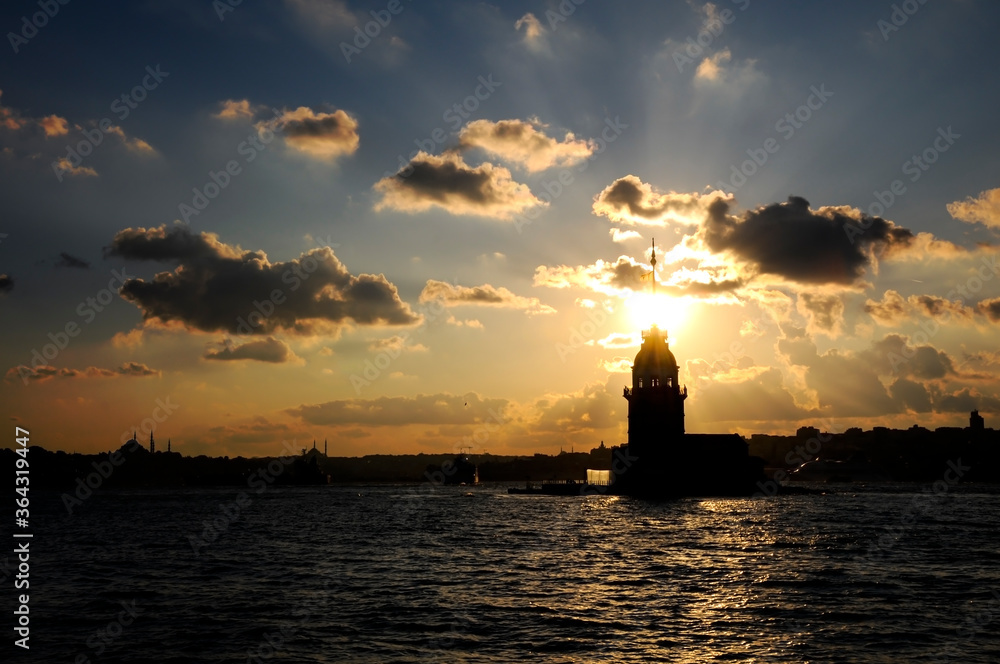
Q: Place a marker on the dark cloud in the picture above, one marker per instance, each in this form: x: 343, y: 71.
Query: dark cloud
x: 45, y: 372
x: 925, y: 362
x: 446, y: 181
x: 629, y: 200
x: 894, y: 308
x: 913, y: 395
x: 825, y: 312
x: 319, y: 135
x: 262, y: 350
x: 797, y: 243
x: 68, y: 260
x: 990, y: 309
x: 439, y: 408
x: 965, y: 400
x: 220, y: 288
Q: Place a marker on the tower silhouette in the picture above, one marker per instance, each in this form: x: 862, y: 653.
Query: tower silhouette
x: 152, y: 444
x: 656, y: 399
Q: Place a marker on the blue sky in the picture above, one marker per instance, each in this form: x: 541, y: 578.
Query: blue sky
x: 678, y: 95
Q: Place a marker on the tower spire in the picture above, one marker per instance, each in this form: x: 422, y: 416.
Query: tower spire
x: 652, y: 262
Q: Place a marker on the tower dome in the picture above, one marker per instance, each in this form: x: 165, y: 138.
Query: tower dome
x: 654, y: 364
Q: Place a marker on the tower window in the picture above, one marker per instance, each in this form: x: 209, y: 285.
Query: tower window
x: 653, y: 382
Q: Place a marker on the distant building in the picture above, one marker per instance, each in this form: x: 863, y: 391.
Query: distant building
x: 976, y: 421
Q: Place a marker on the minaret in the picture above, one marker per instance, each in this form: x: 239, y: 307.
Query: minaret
x: 168, y: 445
x: 324, y: 447
x: 152, y: 444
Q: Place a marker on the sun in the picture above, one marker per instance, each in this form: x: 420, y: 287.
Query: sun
x: 668, y: 313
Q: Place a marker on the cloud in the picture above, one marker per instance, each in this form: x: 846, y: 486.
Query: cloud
x: 395, y: 343
x: 619, y: 340
x: 893, y: 308
x: 46, y: 372
x: 965, y: 400
x: 711, y: 68
x: 324, y: 136
x: 894, y: 355
x: 220, y: 288
x: 317, y: 135
x: 626, y: 275
x: 53, y: 125
x: 441, y: 408
x: 233, y: 109
x: 825, y: 313
x: 258, y: 430
x: 483, y: 295
x: 990, y: 309
x: 524, y: 144
x: 66, y: 166
x: 913, y: 395
x: 447, y: 182
x: 629, y: 200
x: 984, y: 209
x: 605, y: 277
x: 593, y: 407
x: 68, y: 260
x: 802, y: 245
x: 534, y: 33
x: 49, y: 126
x: 618, y: 235
x: 263, y: 350
x: 134, y: 144
x: 758, y: 395
x: 472, y: 322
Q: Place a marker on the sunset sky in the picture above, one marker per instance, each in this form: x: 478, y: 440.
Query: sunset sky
x: 258, y: 223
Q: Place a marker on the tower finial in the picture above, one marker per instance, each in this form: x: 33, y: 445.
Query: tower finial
x: 652, y: 262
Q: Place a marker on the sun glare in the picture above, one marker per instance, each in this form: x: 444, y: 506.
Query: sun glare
x: 669, y: 313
